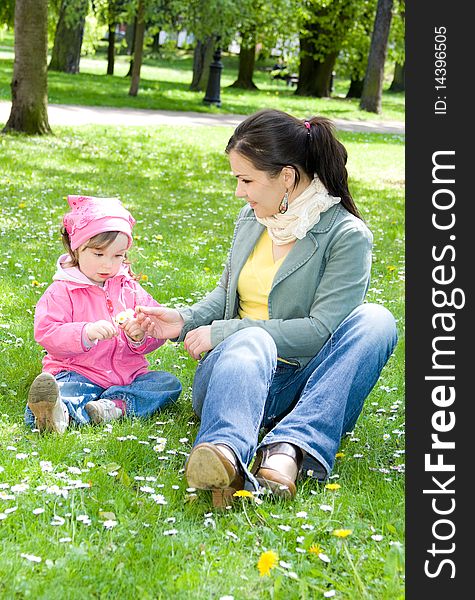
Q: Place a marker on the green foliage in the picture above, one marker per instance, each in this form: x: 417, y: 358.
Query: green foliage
x: 7, y: 12
x: 326, y: 23
x: 110, y: 516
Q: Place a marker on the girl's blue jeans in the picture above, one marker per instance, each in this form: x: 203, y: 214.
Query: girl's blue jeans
x: 144, y: 396
x: 241, y: 387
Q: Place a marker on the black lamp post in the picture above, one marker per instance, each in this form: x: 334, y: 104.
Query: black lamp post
x: 213, y: 88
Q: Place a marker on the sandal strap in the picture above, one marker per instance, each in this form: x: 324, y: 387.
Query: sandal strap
x: 282, y: 448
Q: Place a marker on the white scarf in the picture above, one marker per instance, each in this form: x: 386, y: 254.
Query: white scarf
x: 302, y: 214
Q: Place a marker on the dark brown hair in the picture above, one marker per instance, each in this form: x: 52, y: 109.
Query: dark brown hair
x: 271, y: 140
x: 99, y: 241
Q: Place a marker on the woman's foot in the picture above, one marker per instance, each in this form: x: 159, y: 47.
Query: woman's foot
x: 276, y: 468
x: 45, y: 403
x: 214, y: 467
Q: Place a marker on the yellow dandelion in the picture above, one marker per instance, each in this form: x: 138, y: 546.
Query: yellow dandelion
x: 266, y: 562
x: 35, y: 283
x: 22, y: 205
x: 333, y: 486
x: 314, y: 549
x: 339, y: 455
x: 143, y: 277
x: 342, y: 533
x: 159, y: 237
x: 243, y: 494
x: 391, y: 268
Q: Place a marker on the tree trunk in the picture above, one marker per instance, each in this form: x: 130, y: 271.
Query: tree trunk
x: 202, y: 57
x: 29, y: 112
x: 68, y: 37
x: 111, y: 50
x: 398, y: 83
x: 314, y: 75
x: 138, y: 50
x: 156, y: 44
x: 373, y: 83
x: 132, y: 48
x: 356, y: 88
x: 247, y: 59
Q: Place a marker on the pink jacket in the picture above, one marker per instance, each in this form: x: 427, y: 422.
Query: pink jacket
x: 68, y: 304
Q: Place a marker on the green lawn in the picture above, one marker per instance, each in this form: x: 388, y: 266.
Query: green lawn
x: 104, y: 512
x: 165, y: 85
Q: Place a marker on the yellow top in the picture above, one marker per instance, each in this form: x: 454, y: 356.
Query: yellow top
x: 255, y: 280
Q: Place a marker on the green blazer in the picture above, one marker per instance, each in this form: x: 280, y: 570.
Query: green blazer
x: 321, y: 280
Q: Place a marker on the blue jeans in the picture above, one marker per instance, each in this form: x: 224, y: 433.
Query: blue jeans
x: 241, y: 386
x: 145, y: 395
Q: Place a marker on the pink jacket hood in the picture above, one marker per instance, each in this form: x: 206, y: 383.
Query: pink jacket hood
x: 71, y: 302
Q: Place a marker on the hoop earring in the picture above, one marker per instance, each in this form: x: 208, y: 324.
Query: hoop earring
x: 284, y: 205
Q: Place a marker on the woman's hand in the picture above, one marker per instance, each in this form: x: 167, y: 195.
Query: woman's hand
x: 133, y: 330
x: 159, y: 321
x: 100, y: 330
x: 198, y: 341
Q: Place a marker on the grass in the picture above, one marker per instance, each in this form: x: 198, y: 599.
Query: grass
x: 165, y: 86
x: 61, y: 496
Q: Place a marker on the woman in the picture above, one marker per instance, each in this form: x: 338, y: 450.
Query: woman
x: 288, y: 344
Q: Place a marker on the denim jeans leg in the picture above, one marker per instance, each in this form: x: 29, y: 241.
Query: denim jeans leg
x: 230, y: 389
x: 147, y: 393
x: 75, y: 391
x: 324, y: 399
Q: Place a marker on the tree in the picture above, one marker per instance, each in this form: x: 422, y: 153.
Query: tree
x: 373, y: 84
x: 324, y: 26
x: 68, y: 37
x: 263, y: 22
x: 208, y: 21
x: 29, y: 112
x: 138, y: 49
x: 353, y: 57
x: 396, y: 48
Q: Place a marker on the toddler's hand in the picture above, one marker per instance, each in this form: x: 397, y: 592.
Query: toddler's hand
x: 133, y: 330
x: 100, y: 330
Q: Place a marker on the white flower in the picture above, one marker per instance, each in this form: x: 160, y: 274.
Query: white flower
x: 329, y: 594
x: 31, y: 557
x: 109, y: 524
x: 302, y: 514
x: 20, y: 487
x: 57, y: 520
x: 326, y: 507
x: 170, y: 532
x: 285, y: 527
x: 159, y: 499
x: 21, y: 456
x: 46, y: 466
x: 377, y: 537
x: 323, y: 557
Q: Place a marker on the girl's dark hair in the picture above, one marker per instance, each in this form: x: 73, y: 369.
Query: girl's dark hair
x: 101, y: 240
x: 272, y: 139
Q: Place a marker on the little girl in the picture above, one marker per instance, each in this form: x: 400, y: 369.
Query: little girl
x: 95, y: 369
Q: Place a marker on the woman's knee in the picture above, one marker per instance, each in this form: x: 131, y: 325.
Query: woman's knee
x: 379, y: 323
x: 254, y: 344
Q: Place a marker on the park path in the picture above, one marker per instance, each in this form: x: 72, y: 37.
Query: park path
x: 73, y: 115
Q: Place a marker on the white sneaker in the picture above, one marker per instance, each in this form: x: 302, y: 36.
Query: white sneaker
x: 102, y: 410
x: 45, y: 403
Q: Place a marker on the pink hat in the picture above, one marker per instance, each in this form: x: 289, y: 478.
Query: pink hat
x: 90, y: 216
